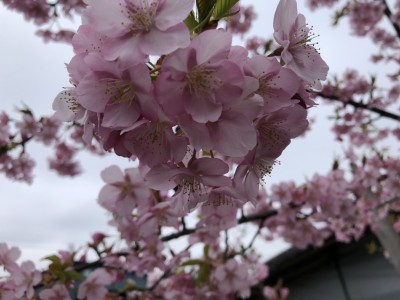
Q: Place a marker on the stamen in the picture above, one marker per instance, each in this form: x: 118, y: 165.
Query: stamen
x: 266, y: 85
x: 70, y: 99
x: 119, y: 92
x: 142, y: 16
x: 264, y: 167
x: 201, y: 80
x: 304, y: 37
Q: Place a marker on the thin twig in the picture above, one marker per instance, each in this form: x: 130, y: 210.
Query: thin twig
x: 244, y: 219
x: 388, y: 13
x: 379, y: 111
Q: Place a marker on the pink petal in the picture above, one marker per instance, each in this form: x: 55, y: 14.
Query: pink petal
x: 112, y: 174
x: 126, y: 49
x: 215, y: 46
x: 209, y: 166
x: 308, y: 64
x: 91, y: 93
x: 173, y: 12
x: 106, y: 17
x: 121, y: 115
x: 234, y: 135
x: 157, y: 42
x: 202, y: 110
x: 77, y: 68
x: 285, y: 16
x: 161, y: 177
x: 198, y: 134
x: 169, y: 94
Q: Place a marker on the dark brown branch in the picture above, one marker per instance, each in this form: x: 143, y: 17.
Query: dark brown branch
x: 244, y: 219
x: 379, y: 111
x: 388, y: 13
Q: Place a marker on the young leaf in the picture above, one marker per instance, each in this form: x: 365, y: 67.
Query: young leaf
x: 191, y: 22
x: 204, y: 274
x: 222, y: 8
x: 53, y: 258
x: 204, y: 7
x: 192, y: 262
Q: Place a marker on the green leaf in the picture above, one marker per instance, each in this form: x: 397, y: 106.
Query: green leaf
x: 204, y: 274
x: 204, y: 8
x: 191, y: 22
x: 73, y: 275
x: 192, y: 262
x: 53, y: 258
x: 222, y: 8
x: 206, y: 250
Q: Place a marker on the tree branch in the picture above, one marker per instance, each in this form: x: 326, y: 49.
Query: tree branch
x: 244, y: 219
x: 388, y: 13
x: 379, y: 111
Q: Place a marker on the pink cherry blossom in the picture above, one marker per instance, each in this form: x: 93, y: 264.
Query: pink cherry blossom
x: 123, y: 191
x: 277, y: 85
x: 63, y: 162
x: 270, y: 292
x: 38, y: 11
x: 231, y: 277
x: 234, y: 134
x: 198, y: 80
x: 86, y: 40
x: 278, y: 128
x: 249, y: 173
x: 28, y: 126
x: 193, y: 182
x: 49, y: 130
x: 115, y: 92
x: 57, y: 292
x: 19, y: 168
x: 7, y: 290
x: 4, y: 129
x: 139, y: 28
x: 8, y: 256
x: 162, y: 214
x: 298, y: 54
x: 365, y: 15
x: 241, y: 22
x: 66, y: 107
x: 219, y: 211
x: 155, y: 143
x: 25, y: 277
x: 314, y: 4
x: 93, y: 287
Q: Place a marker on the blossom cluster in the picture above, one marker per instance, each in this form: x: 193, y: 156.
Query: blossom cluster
x: 205, y: 120
x: 199, y: 114
x: 23, y: 277
x: 43, y: 12
x: 16, y: 134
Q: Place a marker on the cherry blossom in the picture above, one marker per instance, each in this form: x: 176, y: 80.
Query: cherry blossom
x: 93, y: 286
x: 192, y: 182
x: 298, y: 53
x: 200, y: 79
x: 206, y: 123
x: 123, y: 191
x: 8, y: 256
x: 25, y: 277
x: 57, y: 292
x: 150, y: 27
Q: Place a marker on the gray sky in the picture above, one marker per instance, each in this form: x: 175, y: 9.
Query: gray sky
x: 55, y: 212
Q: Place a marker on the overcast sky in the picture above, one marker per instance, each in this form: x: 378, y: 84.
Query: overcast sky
x: 56, y: 212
